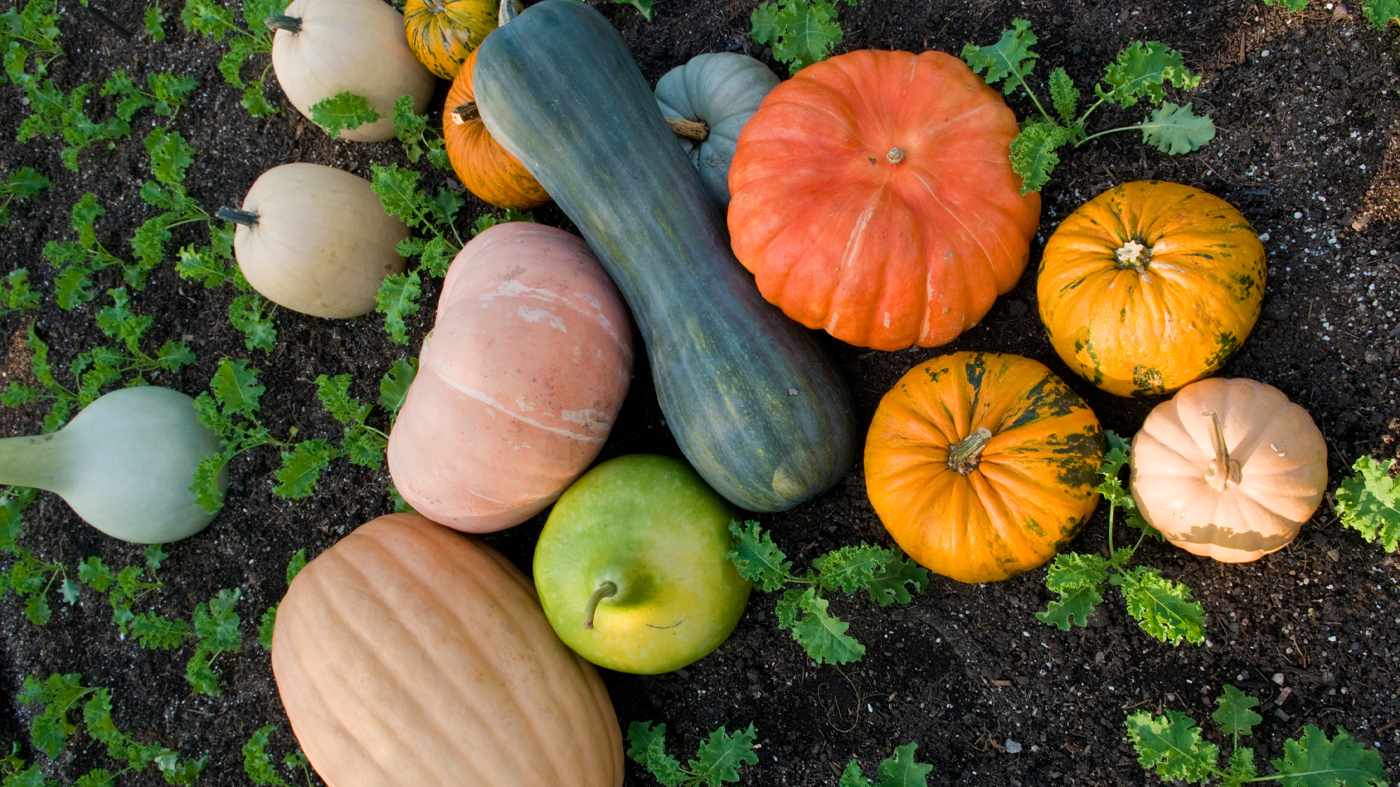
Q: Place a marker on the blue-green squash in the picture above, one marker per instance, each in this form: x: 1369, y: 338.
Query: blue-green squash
x: 754, y: 402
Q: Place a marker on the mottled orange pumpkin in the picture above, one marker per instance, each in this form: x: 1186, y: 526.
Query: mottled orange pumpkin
x: 442, y: 33
x: 982, y: 465
x: 873, y: 197
x: 1149, y: 286
x: 483, y: 166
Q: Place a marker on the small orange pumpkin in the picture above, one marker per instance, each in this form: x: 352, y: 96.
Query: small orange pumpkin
x: 1149, y: 286
x: 982, y: 465
x: 1229, y: 469
x: 483, y: 166
x: 442, y: 33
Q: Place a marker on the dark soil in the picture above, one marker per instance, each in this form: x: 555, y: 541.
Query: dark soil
x: 1306, y: 107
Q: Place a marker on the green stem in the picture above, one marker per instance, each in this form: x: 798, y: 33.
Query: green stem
x: 607, y: 589
x: 1138, y: 127
x: 1085, y: 117
x: 247, y: 218
x: 292, y: 24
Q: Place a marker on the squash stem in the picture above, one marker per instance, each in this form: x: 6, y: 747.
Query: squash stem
x: 966, y: 454
x: 508, y: 12
x: 1135, y: 254
x: 292, y: 24
x: 436, y: 6
x: 606, y: 590
x: 690, y: 129
x: 39, y: 461
x: 465, y: 113
x: 247, y: 218
x: 1222, y: 472
x: 895, y: 155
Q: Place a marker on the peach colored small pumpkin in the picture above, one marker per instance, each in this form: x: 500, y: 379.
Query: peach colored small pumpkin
x: 410, y: 655
x: 1229, y: 469
x: 518, y: 383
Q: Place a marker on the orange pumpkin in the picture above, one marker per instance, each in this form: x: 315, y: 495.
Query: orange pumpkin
x: 982, y: 465
x: 483, y: 166
x: 442, y: 33
x: 1149, y: 286
x: 409, y: 655
x: 873, y: 196
x: 1229, y: 469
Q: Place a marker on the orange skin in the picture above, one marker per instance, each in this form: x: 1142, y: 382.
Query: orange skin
x: 485, y: 168
x: 880, y: 248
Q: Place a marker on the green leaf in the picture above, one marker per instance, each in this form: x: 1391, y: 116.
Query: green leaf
x: 849, y: 568
x: 301, y: 468
x: 1064, y: 96
x: 398, y: 192
x: 806, y: 32
x: 1163, y: 608
x: 757, y: 558
x: 201, y: 676
x: 1072, y: 570
x: 1381, y: 13
x: 334, y: 393
x: 256, y: 764
x: 1240, y: 768
x: 245, y: 313
x: 342, y: 112
x: 171, y: 156
x: 720, y: 757
x: 207, y: 17
x: 154, y: 556
x: 1314, y: 761
x: 1033, y: 154
x: 1172, y: 746
x: 763, y: 24
x: 37, y: 610
x: 158, y: 632
x: 205, y: 486
x: 266, y: 624
x: 96, y: 575
x: 896, y: 581
x: 296, y: 564
x: 1177, y: 130
x: 393, y: 386
x: 1369, y: 502
x: 642, y: 6
x: 444, y: 206
x: 396, y: 299
x: 1233, y: 712
x: 154, y: 20
x: 235, y: 384
x: 1009, y: 59
x: 16, y: 293
x: 902, y: 770
x: 646, y: 746
x: 255, y: 101
x: 1142, y: 70
x: 363, y: 447
x: 490, y: 220
x: 818, y: 632
x: 852, y: 776
x: 25, y: 182
x: 1071, y: 609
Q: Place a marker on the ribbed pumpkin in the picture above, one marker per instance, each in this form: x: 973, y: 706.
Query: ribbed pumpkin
x: 873, y: 196
x: 982, y: 465
x: 484, y: 167
x: 409, y: 655
x: 1229, y: 469
x: 442, y: 33
x: 1149, y: 286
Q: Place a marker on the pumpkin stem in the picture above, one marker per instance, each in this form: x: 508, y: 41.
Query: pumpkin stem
x: 292, y: 24
x: 508, y: 12
x: 1222, y: 472
x: 894, y: 156
x: 690, y: 129
x: 966, y: 454
x: 435, y: 6
x: 247, y: 218
x: 606, y: 590
x: 465, y: 113
x: 1134, y: 254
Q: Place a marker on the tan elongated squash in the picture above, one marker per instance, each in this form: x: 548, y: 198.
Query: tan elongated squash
x: 518, y: 384
x: 315, y: 240
x: 409, y: 655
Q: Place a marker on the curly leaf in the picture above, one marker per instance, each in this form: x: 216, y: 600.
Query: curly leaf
x: 1172, y: 746
x: 1314, y: 761
x: 301, y: 468
x: 1033, y: 154
x: 1381, y: 13
x: 1073, y: 608
x: 757, y: 558
x: 818, y: 632
x: 1010, y: 58
x: 393, y: 386
x: 896, y: 580
x: 342, y: 112
x: 1234, y: 712
x: 646, y: 746
x: 1163, y: 608
x: 1143, y: 69
x: 902, y: 770
x: 396, y: 299
x: 235, y: 384
x: 1369, y: 502
x: 721, y: 756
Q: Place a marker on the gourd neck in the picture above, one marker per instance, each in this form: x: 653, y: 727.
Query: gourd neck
x: 966, y: 454
x: 690, y: 129
x: 292, y: 24
x: 1134, y: 254
x: 40, y: 461
x: 247, y: 218
x: 1223, y: 472
x: 895, y: 155
x: 607, y: 589
x: 465, y: 113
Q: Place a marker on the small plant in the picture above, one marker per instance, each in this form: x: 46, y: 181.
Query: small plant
x: 643, y: 6
x: 801, y: 32
x: 1141, y: 71
x: 900, y: 770
x: 29, y: 577
x: 1369, y: 502
x: 1378, y: 12
x: 258, y: 765
x: 347, y: 111
x: 887, y: 575
x: 16, y: 295
x: 64, y: 116
x: 718, y: 759
x: 22, y: 184
x: 125, y: 587
x: 1172, y: 746
x: 76, y: 261
x: 1162, y: 607
x: 398, y: 191
x: 489, y: 220
x: 211, y: 19
x: 213, y: 628
x: 269, y: 618
x: 164, y: 93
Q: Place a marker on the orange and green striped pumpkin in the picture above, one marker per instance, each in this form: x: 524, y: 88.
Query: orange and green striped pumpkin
x: 1150, y: 286
x: 443, y: 32
x: 487, y: 170
x: 982, y: 465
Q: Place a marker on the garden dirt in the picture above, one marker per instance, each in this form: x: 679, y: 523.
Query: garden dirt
x: 1306, y: 107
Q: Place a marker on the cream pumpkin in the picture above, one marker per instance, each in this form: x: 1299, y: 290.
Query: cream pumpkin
x: 519, y: 381
x: 326, y: 47
x: 1229, y: 469
x: 410, y: 655
x: 316, y: 240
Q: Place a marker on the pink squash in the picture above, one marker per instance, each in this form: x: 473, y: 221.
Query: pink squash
x: 519, y: 381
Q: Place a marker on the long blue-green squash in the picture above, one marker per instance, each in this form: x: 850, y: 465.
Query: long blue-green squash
x: 755, y: 404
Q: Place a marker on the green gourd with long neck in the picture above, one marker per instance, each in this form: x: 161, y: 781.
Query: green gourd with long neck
x: 124, y: 464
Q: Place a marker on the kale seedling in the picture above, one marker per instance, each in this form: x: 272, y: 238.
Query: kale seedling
x: 22, y: 184
x: 29, y: 577
x: 1369, y: 502
x: 399, y: 194
x: 1162, y: 607
x: 125, y: 587
x: 718, y: 759
x: 165, y: 93
x: 16, y: 295
x: 1141, y: 71
x: 214, y: 629
x: 801, y: 32
x: 269, y: 618
x: 213, y: 20
x: 1378, y: 12
x: 887, y: 575
x: 76, y: 261
x: 488, y: 220
x: 347, y: 111
x: 900, y: 770
x: 1172, y: 746
x: 257, y: 765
